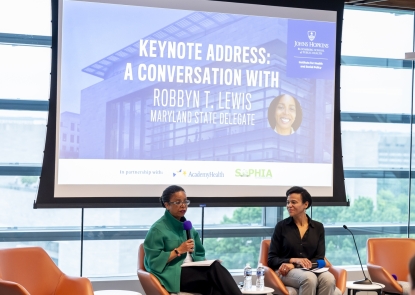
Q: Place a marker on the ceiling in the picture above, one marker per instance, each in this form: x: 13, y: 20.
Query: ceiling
x: 398, y: 4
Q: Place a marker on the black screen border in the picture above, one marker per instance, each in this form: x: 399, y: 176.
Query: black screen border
x: 45, y: 196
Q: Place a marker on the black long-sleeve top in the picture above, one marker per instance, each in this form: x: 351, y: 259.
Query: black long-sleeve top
x: 286, y: 242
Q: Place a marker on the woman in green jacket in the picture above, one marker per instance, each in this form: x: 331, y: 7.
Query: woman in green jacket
x: 166, y: 247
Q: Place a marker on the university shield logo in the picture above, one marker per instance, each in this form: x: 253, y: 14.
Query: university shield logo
x: 311, y: 35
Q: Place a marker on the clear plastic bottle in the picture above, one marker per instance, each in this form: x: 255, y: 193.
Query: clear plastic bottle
x: 260, y: 273
x: 247, y: 277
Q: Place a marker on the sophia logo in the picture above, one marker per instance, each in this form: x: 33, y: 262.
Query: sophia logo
x: 311, y: 35
x: 256, y: 173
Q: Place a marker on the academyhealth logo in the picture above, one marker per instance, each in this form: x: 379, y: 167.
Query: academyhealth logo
x: 209, y: 174
x: 206, y: 174
x: 256, y: 173
x: 311, y: 35
x: 180, y: 172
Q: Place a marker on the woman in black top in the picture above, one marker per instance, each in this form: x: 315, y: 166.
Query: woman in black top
x: 299, y: 240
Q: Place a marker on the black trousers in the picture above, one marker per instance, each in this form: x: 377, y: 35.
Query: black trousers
x: 208, y: 280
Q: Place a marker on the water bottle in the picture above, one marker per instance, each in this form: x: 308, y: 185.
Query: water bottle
x: 260, y: 273
x: 247, y: 277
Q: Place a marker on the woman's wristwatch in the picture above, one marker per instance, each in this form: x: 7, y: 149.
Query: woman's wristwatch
x: 177, y: 252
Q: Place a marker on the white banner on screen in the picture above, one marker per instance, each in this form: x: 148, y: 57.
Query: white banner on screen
x: 192, y: 172
x: 84, y: 178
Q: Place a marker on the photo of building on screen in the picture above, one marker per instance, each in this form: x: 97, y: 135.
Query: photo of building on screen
x: 122, y: 119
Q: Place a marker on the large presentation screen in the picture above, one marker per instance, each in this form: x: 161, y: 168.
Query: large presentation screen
x: 225, y: 99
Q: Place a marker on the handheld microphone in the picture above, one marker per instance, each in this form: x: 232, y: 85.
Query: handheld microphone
x: 187, y: 226
x: 318, y: 264
x: 366, y: 281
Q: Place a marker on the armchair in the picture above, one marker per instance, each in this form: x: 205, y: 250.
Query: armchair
x: 272, y: 280
x: 149, y: 282
x: 30, y: 271
x: 387, y: 256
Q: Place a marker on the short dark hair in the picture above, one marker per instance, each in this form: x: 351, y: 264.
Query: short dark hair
x: 412, y: 272
x: 305, y: 195
x: 168, y: 192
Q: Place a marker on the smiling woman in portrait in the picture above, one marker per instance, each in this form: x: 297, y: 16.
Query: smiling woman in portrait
x: 285, y: 114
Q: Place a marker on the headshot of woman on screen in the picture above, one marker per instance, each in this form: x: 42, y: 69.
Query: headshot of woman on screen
x: 285, y: 114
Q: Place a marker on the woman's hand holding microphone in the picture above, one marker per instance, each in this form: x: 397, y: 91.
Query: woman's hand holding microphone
x: 186, y: 246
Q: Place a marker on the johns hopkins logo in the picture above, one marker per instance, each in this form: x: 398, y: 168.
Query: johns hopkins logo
x: 311, y: 35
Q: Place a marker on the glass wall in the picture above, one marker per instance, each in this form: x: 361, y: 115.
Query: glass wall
x: 376, y: 100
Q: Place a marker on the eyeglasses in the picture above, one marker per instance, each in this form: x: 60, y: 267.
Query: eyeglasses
x: 178, y: 203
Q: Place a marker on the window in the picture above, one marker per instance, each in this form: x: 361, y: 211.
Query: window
x: 363, y: 30
x: 375, y: 90
x: 25, y: 17
x: 376, y: 100
x: 36, y: 62
x: 22, y: 136
x: 59, y: 227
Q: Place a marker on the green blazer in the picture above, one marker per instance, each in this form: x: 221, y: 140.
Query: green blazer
x: 164, y: 235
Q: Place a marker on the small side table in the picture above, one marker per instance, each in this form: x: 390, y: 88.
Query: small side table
x: 266, y: 290
x: 352, y: 289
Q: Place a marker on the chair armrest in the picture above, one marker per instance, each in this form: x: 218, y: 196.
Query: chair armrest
x: 12, y: 288
x: 341, y: 277
x: 74, y: 285
x: 272, y: 280
x: 379, y: 275
x: 150, y: 283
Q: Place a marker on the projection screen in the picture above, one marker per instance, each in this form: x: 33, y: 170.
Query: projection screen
x: 236, y: 102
